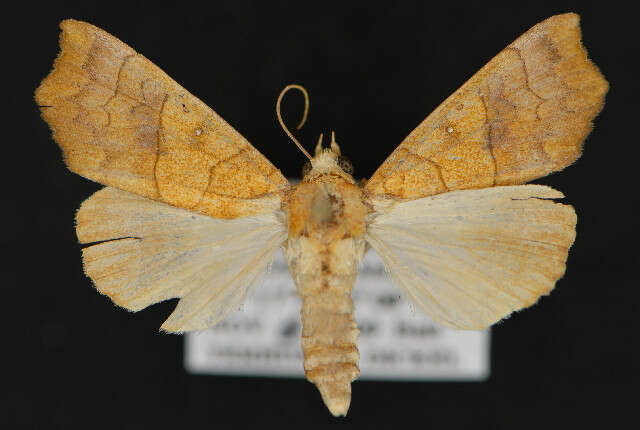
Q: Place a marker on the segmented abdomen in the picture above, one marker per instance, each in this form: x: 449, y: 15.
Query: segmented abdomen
x: 329, y: 336
x: 325, y: 245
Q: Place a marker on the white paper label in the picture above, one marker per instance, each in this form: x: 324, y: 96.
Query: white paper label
x: 395, y: 342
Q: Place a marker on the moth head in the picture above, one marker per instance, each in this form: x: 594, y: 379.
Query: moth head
x: 328, y: 160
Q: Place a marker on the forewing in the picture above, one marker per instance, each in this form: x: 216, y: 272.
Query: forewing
x: 469, y: 258
x: 151, y: 251
x: 123, y: 122
x: 522, y: 116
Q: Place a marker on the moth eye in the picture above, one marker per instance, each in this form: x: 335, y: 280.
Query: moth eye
x: 306, y: 168
x: 345, y: 164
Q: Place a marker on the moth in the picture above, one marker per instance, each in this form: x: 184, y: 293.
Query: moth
x: 192, y: 210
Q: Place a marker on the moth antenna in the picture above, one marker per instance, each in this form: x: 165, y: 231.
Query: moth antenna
x: 334, y: 145
x: 319, y: 145
x: 304, y: 115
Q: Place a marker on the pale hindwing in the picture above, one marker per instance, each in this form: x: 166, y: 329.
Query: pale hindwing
x: 469, y: 258
x: 153, y: 252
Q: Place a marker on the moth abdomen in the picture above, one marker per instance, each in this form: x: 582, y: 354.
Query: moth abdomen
x: 329, y: 336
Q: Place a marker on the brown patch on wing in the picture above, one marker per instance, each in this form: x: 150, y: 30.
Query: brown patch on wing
x: 522, y: 116
x: 122, y: 121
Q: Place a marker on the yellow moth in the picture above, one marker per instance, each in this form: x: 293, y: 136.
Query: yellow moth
x: 192, y: 210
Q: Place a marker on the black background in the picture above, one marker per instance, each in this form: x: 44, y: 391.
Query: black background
x: 374, y: 71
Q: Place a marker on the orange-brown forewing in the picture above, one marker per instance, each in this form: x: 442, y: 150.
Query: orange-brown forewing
x: 122, y: 121
x: 522, y: 116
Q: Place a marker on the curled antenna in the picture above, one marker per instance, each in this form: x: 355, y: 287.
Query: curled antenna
x: 304, y: 115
